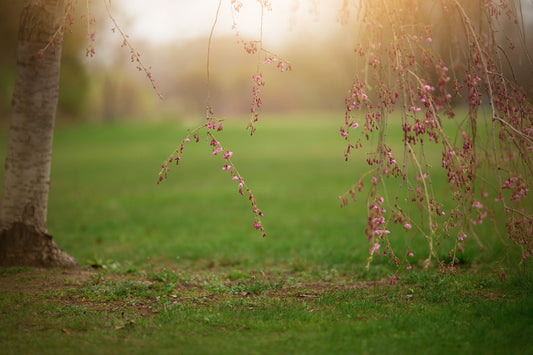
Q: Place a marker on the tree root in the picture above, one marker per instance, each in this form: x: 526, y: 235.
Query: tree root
x: 23, y: 245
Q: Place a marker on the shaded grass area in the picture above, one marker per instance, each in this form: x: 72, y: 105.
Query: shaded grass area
x: 181, y: 270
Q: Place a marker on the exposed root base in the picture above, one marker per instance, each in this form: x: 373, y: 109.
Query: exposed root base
x: 23, y: 245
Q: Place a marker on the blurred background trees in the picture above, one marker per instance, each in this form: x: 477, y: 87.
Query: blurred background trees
x: 75, y: 82
x: 319, y: 42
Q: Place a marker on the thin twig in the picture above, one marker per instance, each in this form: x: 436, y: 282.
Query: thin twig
x: 208, y: 64
x: 135, y: 56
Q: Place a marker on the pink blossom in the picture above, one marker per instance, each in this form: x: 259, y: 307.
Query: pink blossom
x: 381, y: 231
x: 228, y: 155
x: 379, y: 220
x: 343, y: 132
x: 477, y: 204
x: 374, y: 248
x: 257, y: 225
x: 394, y: 278
x: 407, y: 226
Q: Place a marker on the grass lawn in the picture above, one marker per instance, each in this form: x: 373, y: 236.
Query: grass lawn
x: 178, y: 267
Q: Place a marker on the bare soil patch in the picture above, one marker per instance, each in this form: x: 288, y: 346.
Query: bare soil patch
x: 37, y: 281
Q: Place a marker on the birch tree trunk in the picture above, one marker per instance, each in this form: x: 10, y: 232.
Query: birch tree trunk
x: 24, y: 239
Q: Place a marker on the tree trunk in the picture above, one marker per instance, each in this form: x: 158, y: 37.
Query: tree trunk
x: 24, y: 239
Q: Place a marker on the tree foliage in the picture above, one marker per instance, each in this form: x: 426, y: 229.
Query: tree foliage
x: 444, y: 70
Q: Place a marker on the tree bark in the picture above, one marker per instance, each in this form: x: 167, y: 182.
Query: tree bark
x: 24, y: 239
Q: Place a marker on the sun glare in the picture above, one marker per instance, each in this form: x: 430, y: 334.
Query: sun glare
x: 161, y: 21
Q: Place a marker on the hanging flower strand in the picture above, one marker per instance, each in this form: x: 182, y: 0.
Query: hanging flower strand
x: 255, y: 47
x: 216, y: 125
x: 244, y: 190
x: 135, y: 55
x: 213, y: 125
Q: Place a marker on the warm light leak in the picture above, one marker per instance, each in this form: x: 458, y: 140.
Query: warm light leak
x: 163, y: 21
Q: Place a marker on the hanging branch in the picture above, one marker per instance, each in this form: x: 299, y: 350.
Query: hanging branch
x: 211, y: 126
x: 135, y: 56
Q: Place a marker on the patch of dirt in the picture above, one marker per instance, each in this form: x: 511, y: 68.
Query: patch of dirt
x: 202, y: 288
x: 38, y: 280
x: 114, y: 301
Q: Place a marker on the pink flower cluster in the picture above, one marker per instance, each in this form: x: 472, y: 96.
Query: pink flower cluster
x: 251, y: 47
x: 352, y: 193
x: 258, y: 82
x: 376, y: 224
x: 355, y: 100
x: 518, y: 187
x: 408, y: 69
x: 282, y: 64
x: 228, y: 166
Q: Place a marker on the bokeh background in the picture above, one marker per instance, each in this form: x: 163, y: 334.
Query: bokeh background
x: 172, y: 38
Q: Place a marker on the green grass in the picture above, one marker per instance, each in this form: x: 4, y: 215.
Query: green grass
x: 208, y: 312
x: 179, y: 268
x: 105, y: 204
